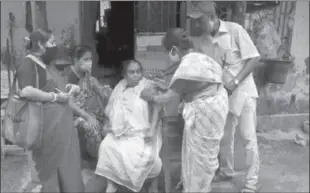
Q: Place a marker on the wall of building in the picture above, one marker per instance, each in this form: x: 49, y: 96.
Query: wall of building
x: 293, y: 96
x: 63, y: 19
x: 19, y: 32
x: 62, y: 16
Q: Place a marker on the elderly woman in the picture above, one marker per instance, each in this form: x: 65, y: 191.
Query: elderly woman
x: 198, y: 79
x: 57, y: 160
x: 129, y: 154
x: 90, y: 99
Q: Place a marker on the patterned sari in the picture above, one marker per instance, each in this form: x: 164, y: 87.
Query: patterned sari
x: 205, y: 118
x: 90, y: 101
x: 125, y: 156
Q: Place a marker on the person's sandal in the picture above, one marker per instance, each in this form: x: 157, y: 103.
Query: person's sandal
x: 220, y: 177
x: 32, y: 187
x: 179, y: 185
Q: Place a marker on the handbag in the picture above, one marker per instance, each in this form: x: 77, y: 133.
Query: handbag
x: 23, y: 118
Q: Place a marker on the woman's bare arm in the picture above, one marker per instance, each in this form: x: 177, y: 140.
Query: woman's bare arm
x: 99, y: 89
x: 77, y: 110
x: 165, y: 98
x: 35, y: 94
x: 27, y: 75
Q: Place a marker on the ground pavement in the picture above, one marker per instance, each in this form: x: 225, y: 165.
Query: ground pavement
x: 284, y: 166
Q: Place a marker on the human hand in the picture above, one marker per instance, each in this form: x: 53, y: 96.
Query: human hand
x: 107, y: 90
x: 62, y: 97
x: 148, y: 137
x: 93, y: 122
x: 147, y: 94
x: 72, y: 89
x: 230, y: 87
x: 159, y: 74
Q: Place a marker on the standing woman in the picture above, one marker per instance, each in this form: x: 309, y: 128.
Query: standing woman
x: 198, y: 80
x: 57, y: 160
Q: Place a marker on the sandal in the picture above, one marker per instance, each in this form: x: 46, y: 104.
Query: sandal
x: 179, y: 185
x: 32, y: 187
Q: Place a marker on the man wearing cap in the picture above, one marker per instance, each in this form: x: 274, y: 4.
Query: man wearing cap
x: 230, y: 45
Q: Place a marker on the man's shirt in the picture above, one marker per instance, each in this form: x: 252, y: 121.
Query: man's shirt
x: 233, y: 44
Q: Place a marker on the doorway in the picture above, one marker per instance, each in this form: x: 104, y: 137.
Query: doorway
x: 116, y: 40
x: 113, y: 40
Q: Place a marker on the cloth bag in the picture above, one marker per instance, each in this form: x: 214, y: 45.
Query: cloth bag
x: 23, y: 118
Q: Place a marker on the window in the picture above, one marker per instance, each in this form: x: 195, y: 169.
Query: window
x: 158, y: 16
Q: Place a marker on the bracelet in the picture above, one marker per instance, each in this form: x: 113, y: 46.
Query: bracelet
x: 54, y: 97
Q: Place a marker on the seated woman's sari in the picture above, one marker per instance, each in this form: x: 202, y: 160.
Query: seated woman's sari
x: 90, y: 100
x: 205, y: 111
x: 127, y: 155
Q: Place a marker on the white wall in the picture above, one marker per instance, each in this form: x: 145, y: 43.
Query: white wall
x: 19, y: 31
x: 61, y: 15
x: 300, y: 39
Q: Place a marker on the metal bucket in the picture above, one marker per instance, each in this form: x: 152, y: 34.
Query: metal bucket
x: 277, y: 70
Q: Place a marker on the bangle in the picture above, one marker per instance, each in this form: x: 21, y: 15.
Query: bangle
x: 54, y: 97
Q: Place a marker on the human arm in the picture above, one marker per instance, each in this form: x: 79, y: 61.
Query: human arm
x: 149, y: 94
x: 103, y: 91
x: 164, y: 98
x: 249, y: 55
x: 77, y: 110
x: 26, y: 74
x: 170, y: 69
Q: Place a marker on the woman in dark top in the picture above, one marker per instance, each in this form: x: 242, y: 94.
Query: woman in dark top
x: 57, y: 161
x: 89, y: 102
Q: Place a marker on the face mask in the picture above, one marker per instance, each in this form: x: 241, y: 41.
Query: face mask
x: 50, y: 54
x: 86, y: 67
x: 174, y: 58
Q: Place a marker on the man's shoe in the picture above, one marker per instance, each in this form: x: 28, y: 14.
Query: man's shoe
x: 220, y: 177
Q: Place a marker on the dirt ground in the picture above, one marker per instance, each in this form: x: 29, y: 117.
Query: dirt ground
x: 284, y: 166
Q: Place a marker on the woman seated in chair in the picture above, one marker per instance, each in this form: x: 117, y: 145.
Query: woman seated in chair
x: 90, y: 99
x: 129, y: 153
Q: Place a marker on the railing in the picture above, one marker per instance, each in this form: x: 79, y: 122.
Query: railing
x: 152, y: 17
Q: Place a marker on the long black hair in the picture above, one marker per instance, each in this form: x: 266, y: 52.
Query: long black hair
x: 39, y: 35
x: 177, y: 37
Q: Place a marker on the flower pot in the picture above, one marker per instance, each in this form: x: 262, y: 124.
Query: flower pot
x: 276, y: 70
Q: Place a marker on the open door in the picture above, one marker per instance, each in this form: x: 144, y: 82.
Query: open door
x: 113, y: 41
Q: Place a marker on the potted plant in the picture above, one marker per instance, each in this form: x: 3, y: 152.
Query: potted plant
x: 274, y: 51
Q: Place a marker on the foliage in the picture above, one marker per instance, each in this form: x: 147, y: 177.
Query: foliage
x: 68, y: 42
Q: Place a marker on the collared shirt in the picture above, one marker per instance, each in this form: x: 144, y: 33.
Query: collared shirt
x: 233, y: 44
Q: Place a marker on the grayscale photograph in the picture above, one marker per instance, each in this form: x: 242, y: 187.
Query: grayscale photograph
x: 154, y: 96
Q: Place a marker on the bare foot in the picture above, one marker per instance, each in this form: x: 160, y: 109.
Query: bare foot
x: 179, y: 186
x: 111, y: 187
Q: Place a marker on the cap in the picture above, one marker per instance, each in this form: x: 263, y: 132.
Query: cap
x: 197, y: 9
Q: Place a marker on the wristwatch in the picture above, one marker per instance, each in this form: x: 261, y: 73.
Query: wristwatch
x: 236, y: 81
